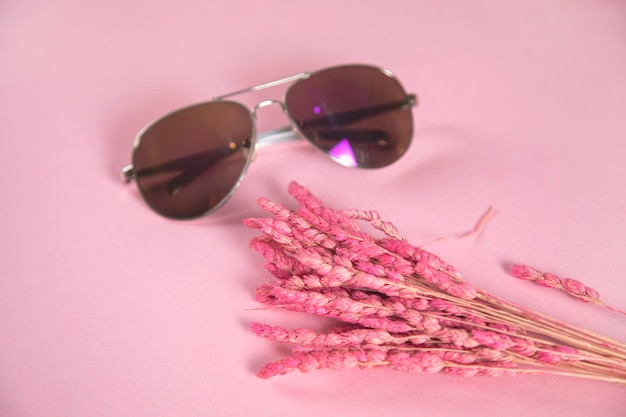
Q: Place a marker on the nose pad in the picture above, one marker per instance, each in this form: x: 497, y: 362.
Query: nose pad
x: 266, y: 103
x: 253, y: 150
x: 246, y: 148
x: 258, y: 106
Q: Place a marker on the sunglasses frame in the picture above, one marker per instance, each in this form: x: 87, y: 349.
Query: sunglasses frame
x: 258, y: 141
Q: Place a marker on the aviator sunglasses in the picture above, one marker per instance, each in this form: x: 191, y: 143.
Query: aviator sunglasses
x: 189, y: 162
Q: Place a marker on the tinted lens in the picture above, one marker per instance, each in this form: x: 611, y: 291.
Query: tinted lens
x: 359, y: 115
x: 190, y: 161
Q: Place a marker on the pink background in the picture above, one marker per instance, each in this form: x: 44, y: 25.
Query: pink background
x: 107, y: 309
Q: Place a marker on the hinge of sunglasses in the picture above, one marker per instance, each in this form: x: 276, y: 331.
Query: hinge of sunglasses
x: 128, y: 173
x: 412, y: 99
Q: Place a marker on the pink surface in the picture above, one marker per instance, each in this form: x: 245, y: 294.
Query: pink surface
x: 109, y: 310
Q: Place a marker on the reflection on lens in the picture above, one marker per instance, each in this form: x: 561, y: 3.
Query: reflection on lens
x: 342, y: 152
x: 359, y: 115
x: 187, y: 163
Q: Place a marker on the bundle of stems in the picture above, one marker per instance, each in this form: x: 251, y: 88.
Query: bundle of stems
x: 400, y: 306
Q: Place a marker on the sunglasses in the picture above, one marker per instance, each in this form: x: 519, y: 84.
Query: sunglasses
x: 189, y: 162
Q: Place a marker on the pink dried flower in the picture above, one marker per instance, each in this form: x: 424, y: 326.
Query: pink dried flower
x: 492, y: 355
x: 351, y: 337
x: 336, y: 359
x: 558, y: 354
x: 415, y: 362
x: 456, y: 336
x: 405, y: 308
x: 485, y: 369
x: 493, y: 340
x: 571, y: 286
x: 523, y: 347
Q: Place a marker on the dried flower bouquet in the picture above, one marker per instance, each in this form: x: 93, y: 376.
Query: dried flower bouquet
x: 403, y: 307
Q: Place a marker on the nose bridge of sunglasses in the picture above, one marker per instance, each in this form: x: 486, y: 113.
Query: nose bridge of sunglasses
x: 272, y: 136
x: 267, y: 103
x: 256, y: 98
